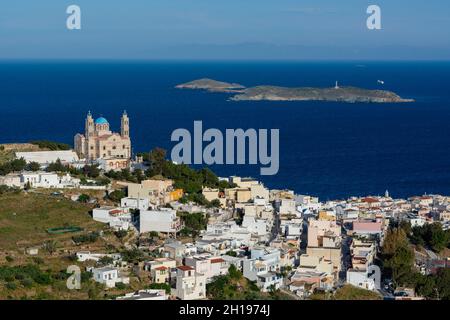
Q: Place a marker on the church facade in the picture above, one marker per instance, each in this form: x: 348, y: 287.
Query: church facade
x: 99, y: 143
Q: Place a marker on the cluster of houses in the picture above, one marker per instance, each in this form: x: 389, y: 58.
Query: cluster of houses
x: 276, y: 238
x: 39, y: 179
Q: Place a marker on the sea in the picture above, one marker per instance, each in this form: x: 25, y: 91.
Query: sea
x: 329, y: 150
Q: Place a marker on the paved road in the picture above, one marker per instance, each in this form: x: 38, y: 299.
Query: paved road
x: 275, y: 227
x: 345, y: 259
x: 385, y: 294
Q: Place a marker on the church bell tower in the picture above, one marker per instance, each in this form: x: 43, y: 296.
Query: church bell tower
x: 89, y: 126
x: 125, y: 125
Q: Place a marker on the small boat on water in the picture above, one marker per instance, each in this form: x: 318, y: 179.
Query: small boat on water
x: 380, y: 81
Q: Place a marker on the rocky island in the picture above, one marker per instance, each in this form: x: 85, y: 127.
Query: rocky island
x: 275, y: 93
x: 211, y: 86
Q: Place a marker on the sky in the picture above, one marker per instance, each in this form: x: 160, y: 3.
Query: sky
x: 225, y: 29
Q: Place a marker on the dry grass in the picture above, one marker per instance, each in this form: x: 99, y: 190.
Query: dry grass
x: 7, y: 150
x: 25, y: 217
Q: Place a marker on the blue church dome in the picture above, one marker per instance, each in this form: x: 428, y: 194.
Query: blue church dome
x: 101, y: 120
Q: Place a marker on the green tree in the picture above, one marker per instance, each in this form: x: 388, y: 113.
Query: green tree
x: 18, y: 164
x: 120, y: 234
x: 438, y: 238
x: 234, y: 273
x: 139, y: 175
x: 397, y: 256
x: 443, y: 283
x: 45, y: 144
x: 84, y: 198
x: 231, y: 253
x: 50, y: 246
x: 33, y: 166
x: 215, y: 203
x: 92, y: 171
x: 121, y: 285
x: 57, y: 166
x: 157, y: 158
x: 117, y: 195
x: 133, y: 255
x: 194, y: 222
x: 431, y: 235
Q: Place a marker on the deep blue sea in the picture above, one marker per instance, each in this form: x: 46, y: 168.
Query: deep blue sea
x: 332, y: 150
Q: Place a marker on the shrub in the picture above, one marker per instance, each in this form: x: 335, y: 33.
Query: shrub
x: 116, y: 195
x: 84, y: 198
x: 53, y: 146
x: 86, y: 238
x: 11, y: 286
x: 27, y: 283
x: 121, y: 285
x: 121, y: 234
x: 33, y: 166
x: 38, y: 260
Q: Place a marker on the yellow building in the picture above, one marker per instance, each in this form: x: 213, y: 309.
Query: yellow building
x: 176, y: 194
x: 160, y: 274
x: 327, y: 216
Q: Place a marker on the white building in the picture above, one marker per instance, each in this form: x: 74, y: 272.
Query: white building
x: 164, y: 220
x: 287, y: 207
x: 268, y: 281
x: 11, y: 180
x: 135, y: 203
x: 294, y: 230
x: 190, y: 285
x: 259, y: 227
x: 224, y: 233
x: 208, y: 265
x: 263, y: 267
x: 117, y: 218
x: 415, y: 220
x: 48, y: 180
x: 44, y: 158
x: 360, y: 279
x: 145, y: 295
x: 83, y: 256
x: 109, y: 276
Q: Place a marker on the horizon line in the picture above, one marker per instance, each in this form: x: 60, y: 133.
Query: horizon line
x: 224, y: 60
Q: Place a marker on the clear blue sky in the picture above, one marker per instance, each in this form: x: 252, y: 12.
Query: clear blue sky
x: 225, y: 29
